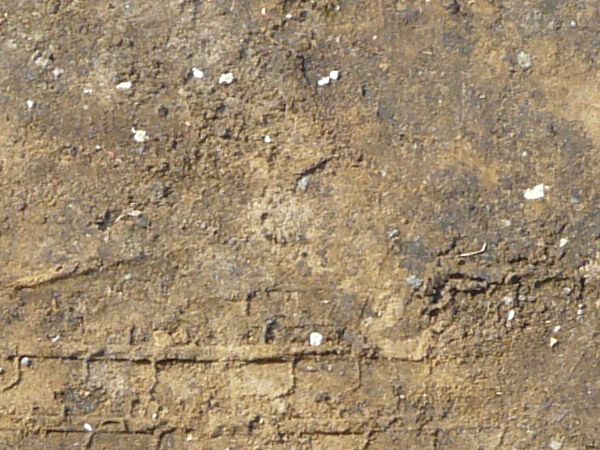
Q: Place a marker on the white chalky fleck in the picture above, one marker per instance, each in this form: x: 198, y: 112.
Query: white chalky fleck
x: 315, y: 339
x: 334, y: 74
x: 553, y: 342
x: 511, y: 315
x: 57, y: 72
x: 125, y: 85
x: 563, y: 242
x: 25, y: 361
x: 197, y: 73
x: 87, y: 427
x: 30, y: 104
x: 303, y: 183
x: 226, y: 78
x: 535, y: 193
x: 323, y: 81
x: 139, y: 135
x: 268, y: 139
x: 508, y: 300
x: 524, y: 60
x: 555, y: 445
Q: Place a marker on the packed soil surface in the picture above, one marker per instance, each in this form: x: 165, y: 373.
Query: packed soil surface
x: 294, y: 224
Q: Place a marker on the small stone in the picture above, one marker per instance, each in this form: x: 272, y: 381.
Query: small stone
x: 511, y: 315
x: 303, y: 183
x: 535, y: 193
x: 268, y: 139
x: 334, y: 75
x: 556, y: 329
x: 226, y: 78
x: 87, y: 427
x: 553, y: 342
x: 393, y: 234
x: 563, y: 242
x: 508, y: 300
x: 124, y: 86
x: 30, y: 104
x: 323, y: 81
x: 315, y: 339
x: 555, y: 445
x: 139, y: 135
x: 524, y: 60
x: 1, y: 370
x: 25, y: 361
x: 197, y: 73
x: 414, y: 281
x: 42, y: 61
x: 58, y: 72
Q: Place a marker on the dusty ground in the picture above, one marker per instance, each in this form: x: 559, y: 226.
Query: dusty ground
x: 161, y: 294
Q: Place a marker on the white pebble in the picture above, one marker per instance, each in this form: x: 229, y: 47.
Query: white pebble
x: 30, y: 104
x: 268, y: 139
x: 535, y: 193
x: 125, y: 85
x: 323, y: 81
x: 87, y: 427
x: 553, y: 342
x: 511, y: 315
x: 555, y: 445
x: 315, y: 339
x: 524, y: 60
x: 563, y: 242
x: 139, y: 135
x: 556, y: 329
x: 25, y: 361
x: 197, y: 73
x: 57, y: 72
x: 303, y: 183
x: 334, y: 75
x: 226, y: 78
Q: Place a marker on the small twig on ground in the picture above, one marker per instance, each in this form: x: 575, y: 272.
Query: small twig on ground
x: 478, y: 252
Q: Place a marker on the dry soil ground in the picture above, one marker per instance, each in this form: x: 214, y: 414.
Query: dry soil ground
x: 163, y: 263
